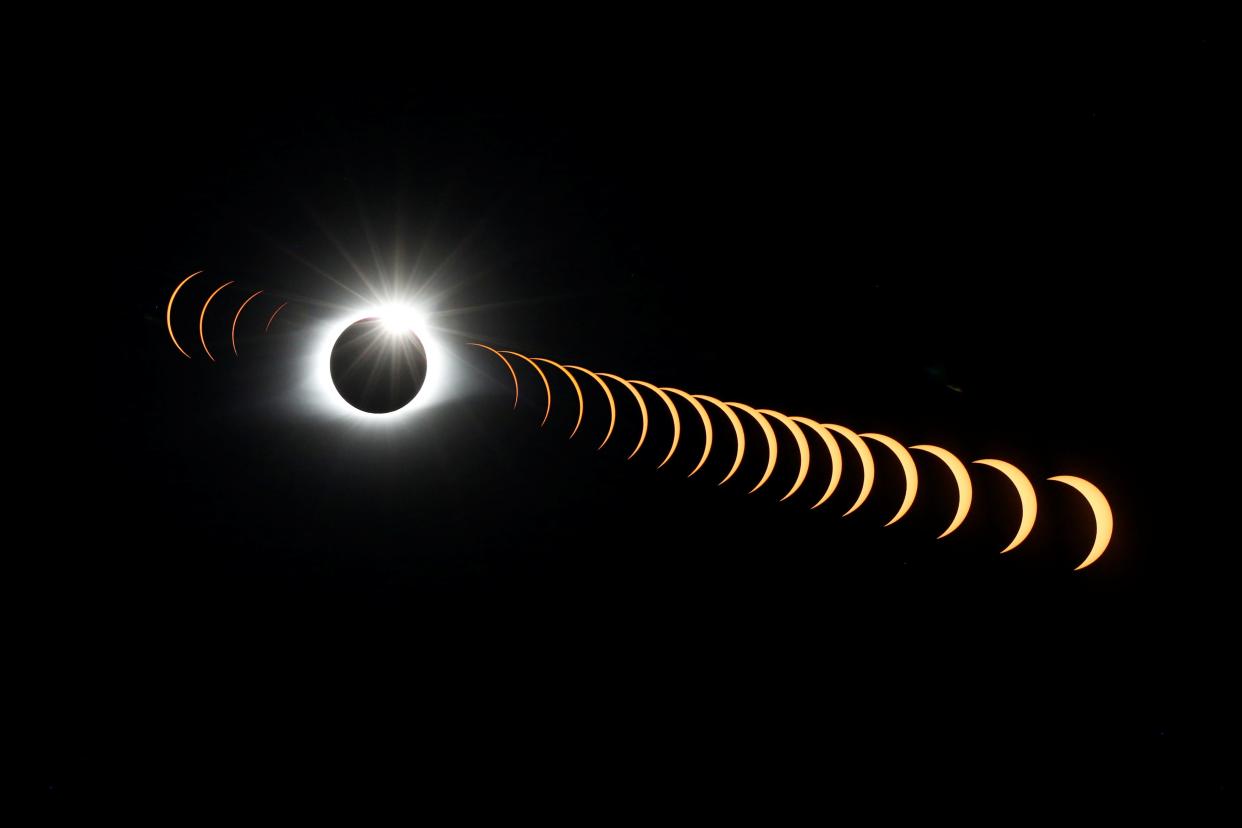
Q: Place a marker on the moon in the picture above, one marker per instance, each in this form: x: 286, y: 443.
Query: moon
x: 1026, y: 495
x: 547, y: 409
x: 236, y: 316
x: 168, y: 312
x: 907, y: 467
x: 577, y: 389
x: 767, y: 433
x: 1103, y: 515
x: 965, y: 492
x: 377, y: 369
x: 642, y: 408
x: 834, y: 451
x: 508, y: 365
x: 804, y: 451
x: 203, y: 314
x: 738, y: 433
x: 672, y: 410
x: 707, y: 425
x: 612, y: 404
x: 864, y: 456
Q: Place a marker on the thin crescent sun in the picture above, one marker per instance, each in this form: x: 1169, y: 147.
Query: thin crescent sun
x: 707, y: 425
x: 834, y: 452
x: 642, y: 408
x: 804, y: 450
x: 203, y: 315
x: 965, y: 492
x: 612, y: 404
x: 1026, y: 496
x: 168, y: 312
x: 768, y: 433
x: 508, y: 365
x: 1100, y: 508
x: 737, y: 433
x: 907, y: 467
x: 272, y: 318
x: 577, y: 389
x: 672, y: 410
x: 547, y: 409
x: 864, y: 456
x: 236, y: 316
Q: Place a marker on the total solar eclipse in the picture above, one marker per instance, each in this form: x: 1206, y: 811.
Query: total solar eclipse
x: 378, y: 365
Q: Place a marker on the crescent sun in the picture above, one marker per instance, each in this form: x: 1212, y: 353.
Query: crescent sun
x: 965, y: 492
x: 804, y: 450
x: 236, y: 316
x: 168, y: 312
x: 612, y: 404
x: 738, y: 433
x: 203, y: 315
x: 864, y: 456
x: 546, y: 386
x: 707, y: 425
x: 642, y: 408
x: 907, y: 467
x: 1026, y: 495
x: 834, y: 452
x: 577, y: 390
x: 768, y: 433
x: 508, y: 365
x: 672, y: 410
x: 1100, y: 508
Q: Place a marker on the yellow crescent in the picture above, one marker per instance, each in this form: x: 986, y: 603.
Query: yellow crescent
x: 1103, y: 515
x: 707, y: 425
x: 672, y: 409
x: 965, y: 492
x: 864, y: 456
x: 834, y: 451
x: 577, y: 390
x: 508, y: 365
x: 737, y: 432
x: 771, y: 438
x: 907, y: 467
x: 168, y: 312
x: 612, y: 404
x: 1026, y: 494
x: 547, y: 409
x: 804, y: 450
x: 642, y: 407
x: 203, y: 314
x: 236, y: 316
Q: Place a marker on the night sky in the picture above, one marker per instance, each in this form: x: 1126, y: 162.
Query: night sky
x: 1010, y: 250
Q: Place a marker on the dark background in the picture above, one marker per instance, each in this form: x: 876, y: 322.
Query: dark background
x: 1007, y: 247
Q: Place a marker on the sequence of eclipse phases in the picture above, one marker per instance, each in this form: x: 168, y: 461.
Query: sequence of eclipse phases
x: 383, y: 362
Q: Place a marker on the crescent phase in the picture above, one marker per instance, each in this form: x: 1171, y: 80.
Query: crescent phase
x: 864, y: 456
x: 768, y: 433
x: 672, y: 410
x: 707, y: 425
x: 834, y: 451
x: 203, y: 315
x: 547, y: 409
x: 804, y: 450
x: 272, y: 318
x: 508, y: 365
x: 168, y: 312
x: 907, y: 467
x: 236, y: 316
x: 612, y: 404
x: 1103, y: 515
x: 577, y: 390
x: 1026, y: 495
x: 642, y: 407
x: 965, y: 492
x: 737, y: 432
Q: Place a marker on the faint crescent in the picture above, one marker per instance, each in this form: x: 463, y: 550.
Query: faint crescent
x: 834, y: 451
x: 236, y: 316
x: 272, y: 318
x: 965, y: 492
x: 642, y: 407
x: 577, y: 389
x: 768, y: 433
x: 907, y: 468
x: 508, y: 365
x: 168, y: 312
x: 547, y: 409
x: 707, y: 425
x: 864, y: 455
x: 1103, y: 515
x: 612, y: 404
x: 737, y: 431
x: 203, y: 314
x: 804, y: 451
x: 672, y: 409
x: 1026, y: 494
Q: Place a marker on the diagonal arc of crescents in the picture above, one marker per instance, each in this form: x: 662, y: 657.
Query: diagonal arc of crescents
x: 827, y: 434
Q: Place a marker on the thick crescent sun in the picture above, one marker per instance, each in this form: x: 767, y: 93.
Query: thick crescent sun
x: 964, y: 490
x: 1026, y: 496
x: 1103, y: 515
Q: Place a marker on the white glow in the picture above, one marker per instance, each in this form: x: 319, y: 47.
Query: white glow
x: 395, y: 317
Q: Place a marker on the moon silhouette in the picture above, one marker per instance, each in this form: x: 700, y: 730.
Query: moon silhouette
x: 612, y: 404
x: 236, y: 316
x: 577, y: 389
x: 203, y: 314
x: 642, y: 408
x: 707, y: 425
x: 834, y: 452
x: 804, y: 451
x: 965, y: 492
x: 907, y: 467
x: 1103, y: 515
x: 1026, y: 495
x: 377, y: 369
x: 672, y: 410
x: 738, y: 433
x: 768, y: 433
x: 168, y: 312
x: 864, y: 456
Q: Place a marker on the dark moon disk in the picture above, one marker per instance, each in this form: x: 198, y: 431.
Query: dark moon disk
x: 377, y: 368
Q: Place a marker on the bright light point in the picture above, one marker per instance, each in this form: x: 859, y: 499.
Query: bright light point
x: 402, y: 318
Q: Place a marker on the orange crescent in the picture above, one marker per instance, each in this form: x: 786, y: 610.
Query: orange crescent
x: 965, y: 492
x: 804, y: 451
x: 1026, y: 496
x: 1100, y: 508
x: 908, y: 468
x: 577, y: 390
x: 672, y: 410
x: 233, y: 330
x: 834, y: 451
x: 707, y: 425
x: 771, y: 438
x: 864, y: 455
x: 272, y: 318
x: 203, y: 314
x: 547, y: 409
x: 612, y: 404
x: 168, y: 312
x: 508, y: 365
x: 642, y: 407
x: 737, y: 431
